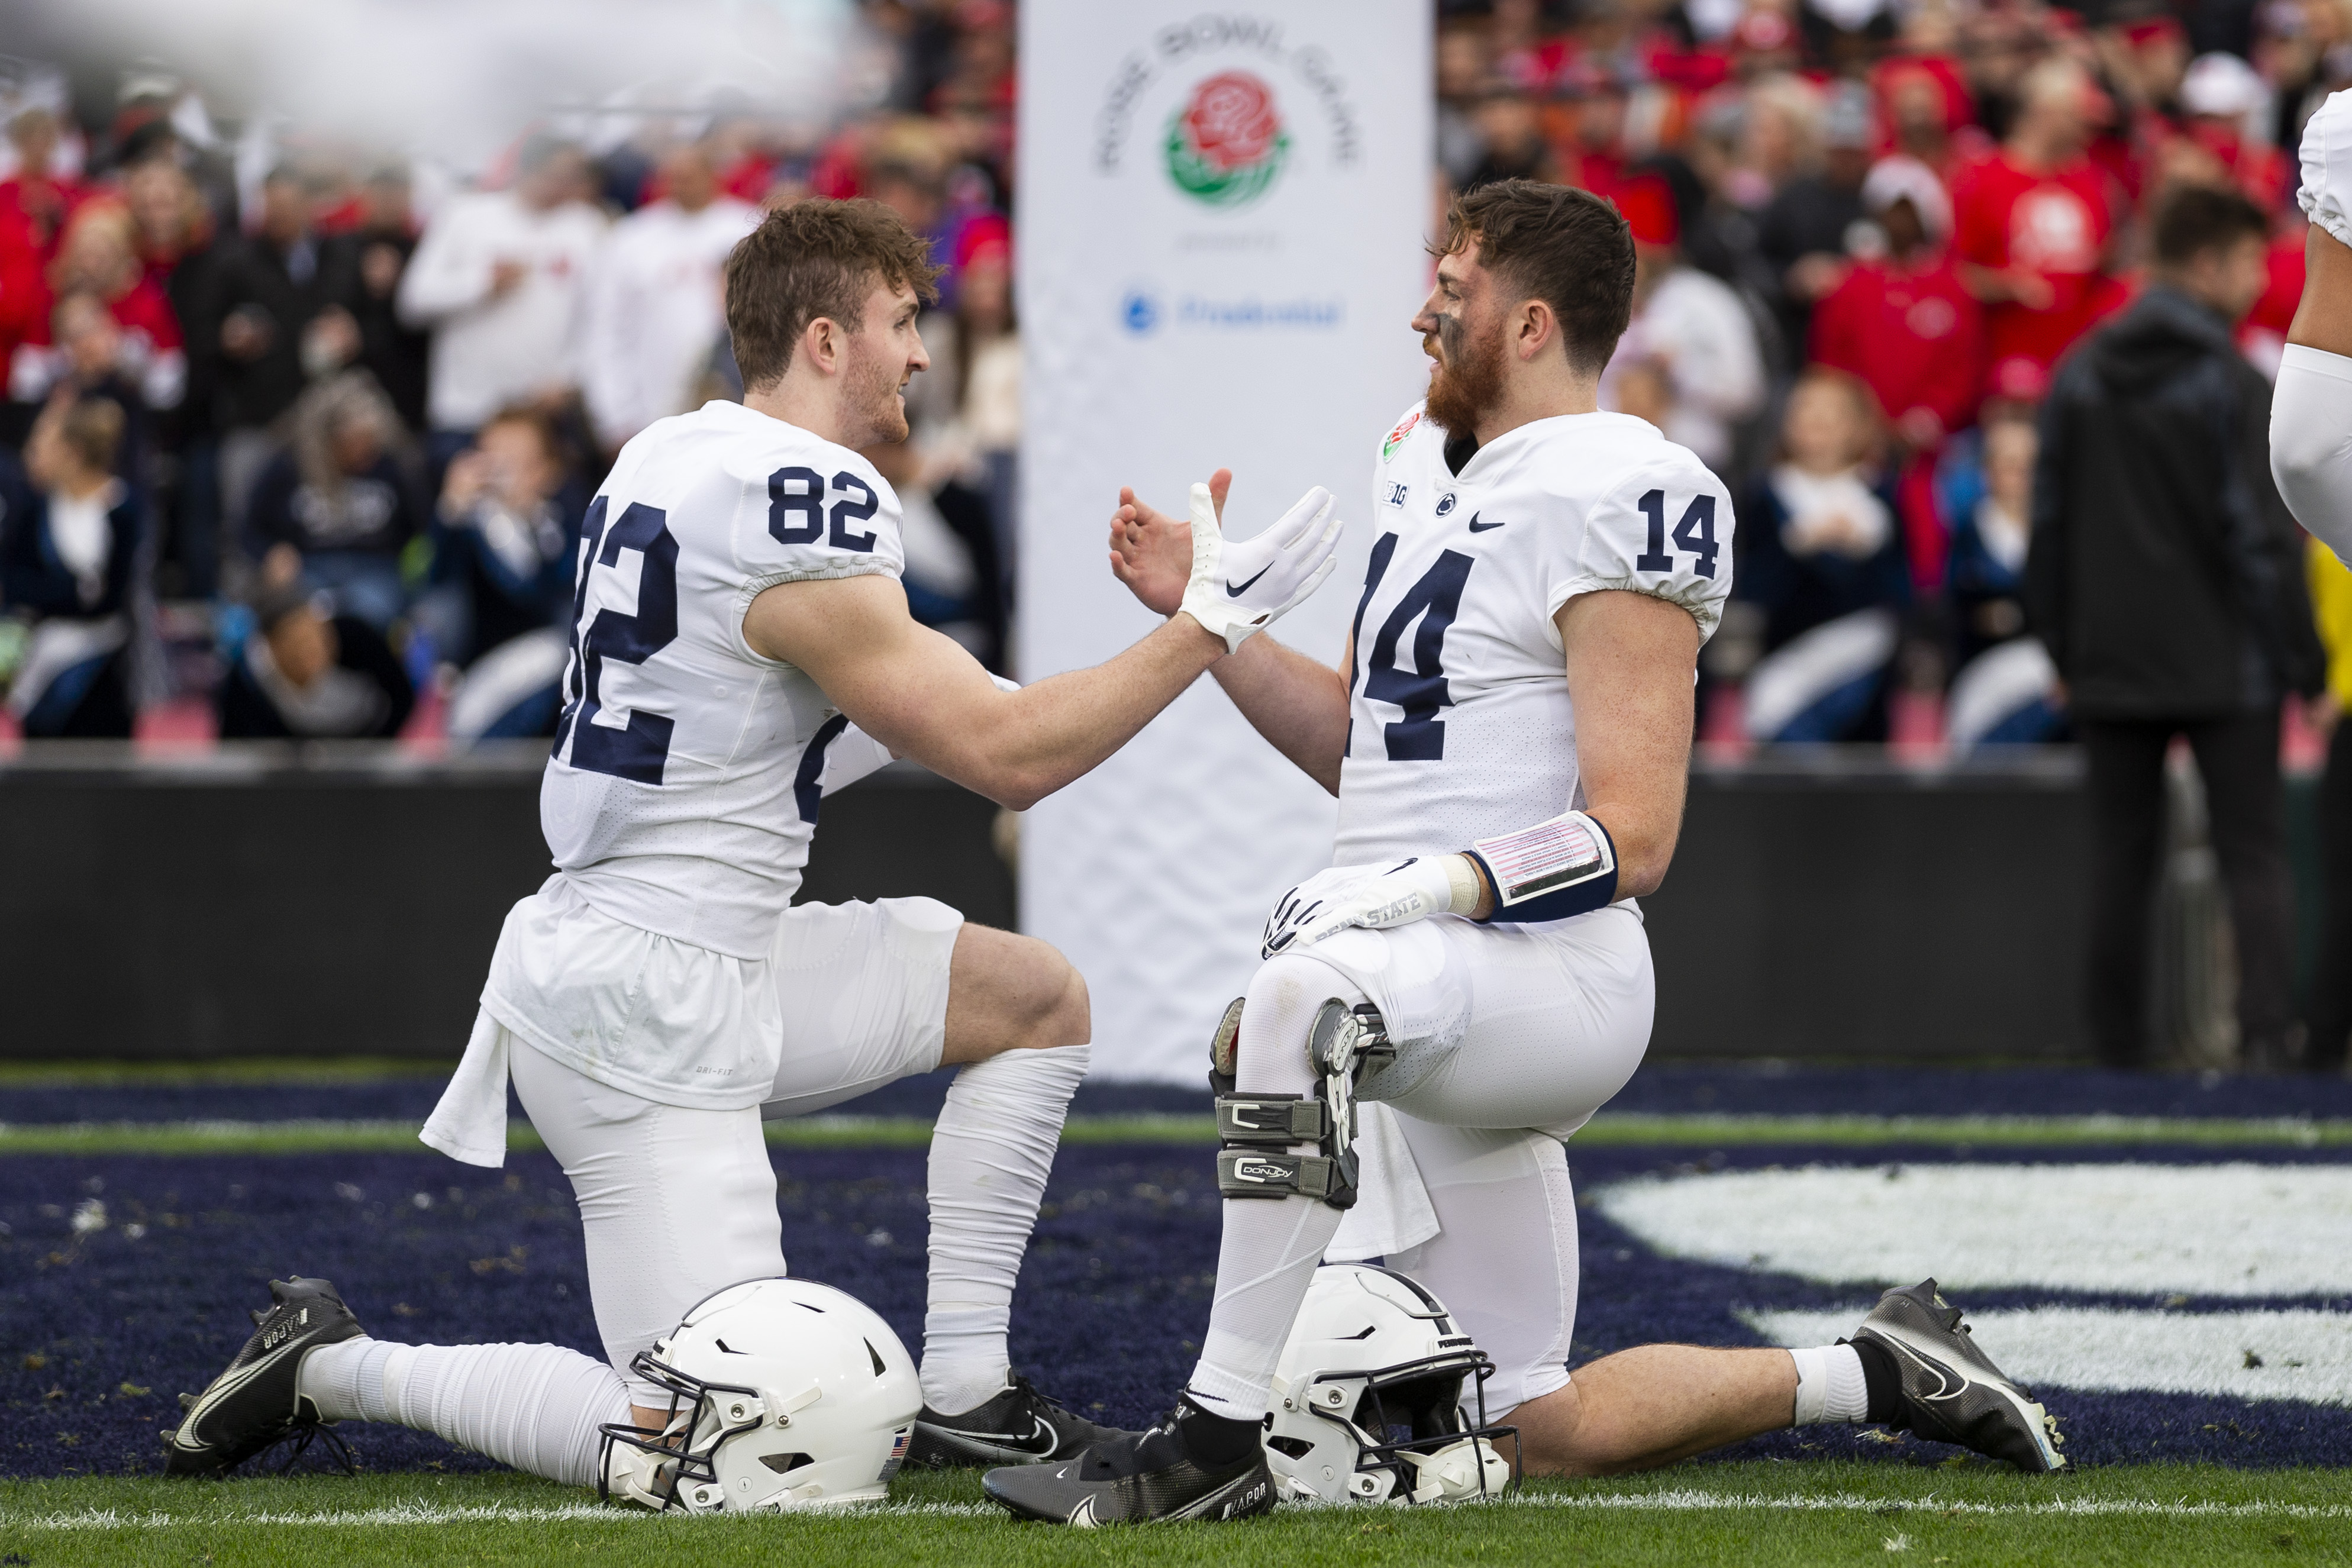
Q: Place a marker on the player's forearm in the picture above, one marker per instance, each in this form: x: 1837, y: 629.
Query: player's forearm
x: 1644, y: 832
x: 1051, y: 733
x: 1298, y: 705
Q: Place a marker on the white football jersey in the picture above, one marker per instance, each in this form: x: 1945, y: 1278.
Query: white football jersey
x: 1460, y: 725
x: 683, y: 789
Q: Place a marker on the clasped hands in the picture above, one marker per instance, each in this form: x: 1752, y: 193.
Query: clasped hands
x: 1234, y: 589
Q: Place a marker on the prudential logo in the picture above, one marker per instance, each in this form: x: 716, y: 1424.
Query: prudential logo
x: 1227, y: 144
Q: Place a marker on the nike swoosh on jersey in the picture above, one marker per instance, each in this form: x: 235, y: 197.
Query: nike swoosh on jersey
x: 1233, y: 593
x: 1477, y: 527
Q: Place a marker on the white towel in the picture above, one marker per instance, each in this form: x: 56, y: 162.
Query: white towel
x: 1392, y: 1209
x: 471, y: 1122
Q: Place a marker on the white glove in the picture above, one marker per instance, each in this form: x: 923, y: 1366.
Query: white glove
x: 1238, y: 590
x: 1415, y: 889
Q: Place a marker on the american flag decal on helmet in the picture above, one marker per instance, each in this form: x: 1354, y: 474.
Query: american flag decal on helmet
x: 899, y: 1441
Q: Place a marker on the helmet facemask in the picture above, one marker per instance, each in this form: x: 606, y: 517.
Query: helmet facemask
x: 1380, y: 1397
x: 1412, y: 1443
x: 678, y: 1458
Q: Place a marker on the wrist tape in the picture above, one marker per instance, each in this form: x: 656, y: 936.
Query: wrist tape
x: 1565, y: 867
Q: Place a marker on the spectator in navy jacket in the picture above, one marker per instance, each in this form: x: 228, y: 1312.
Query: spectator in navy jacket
x: 1824, y: 561
x: 68, y: 554
x: 306, y: 673
x: 505, y: 532
x: 339, y: 503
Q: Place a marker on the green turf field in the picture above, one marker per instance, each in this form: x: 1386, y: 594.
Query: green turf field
x: 1764, y: 1514
x: 1607, y: 1129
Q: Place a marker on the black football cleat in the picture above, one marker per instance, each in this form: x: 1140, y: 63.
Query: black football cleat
x: 1951, y: 1390
x: 1019, y: 1426
x: 255, y: 1403
x: 1138, y: 1477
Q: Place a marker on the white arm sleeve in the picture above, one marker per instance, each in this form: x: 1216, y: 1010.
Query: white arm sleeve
x: 2311, y: 442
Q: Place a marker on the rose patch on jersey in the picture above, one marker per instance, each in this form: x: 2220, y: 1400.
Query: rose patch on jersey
x: 1396, y: 436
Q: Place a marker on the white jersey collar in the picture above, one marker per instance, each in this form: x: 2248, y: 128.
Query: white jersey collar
x: 1538, y: 430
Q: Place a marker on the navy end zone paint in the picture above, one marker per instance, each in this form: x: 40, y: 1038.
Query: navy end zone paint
x: 1659, y: 1089
x: 1113, y: 1298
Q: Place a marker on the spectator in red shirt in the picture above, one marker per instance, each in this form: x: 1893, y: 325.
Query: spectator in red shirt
x: 2034, y: 222
x: 2218, y: 99
x: 1593, y: 158
x: 98, y: 257
x: 1907, y: 326
x: 1925, y: 105
x: 35, y: 192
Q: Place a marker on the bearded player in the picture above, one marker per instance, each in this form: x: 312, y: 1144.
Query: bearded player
x: 738, y: 607
x: 1508, y: 734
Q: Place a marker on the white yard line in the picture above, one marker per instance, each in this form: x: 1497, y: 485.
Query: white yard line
x: 2234, y: 1228
x: 421, y: 1513
x: 1685, y: 1500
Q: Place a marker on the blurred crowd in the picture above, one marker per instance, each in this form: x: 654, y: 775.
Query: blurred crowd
x: 1868, y: 231
x: 297, y: 435
x: 287, y: 418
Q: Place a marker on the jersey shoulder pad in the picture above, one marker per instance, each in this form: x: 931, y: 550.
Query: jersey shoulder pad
x: 1661, y: 524
x: 2326, y: 160
x: 813, y: 509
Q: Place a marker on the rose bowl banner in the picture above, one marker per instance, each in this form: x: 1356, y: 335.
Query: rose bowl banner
x: 1221, y: 229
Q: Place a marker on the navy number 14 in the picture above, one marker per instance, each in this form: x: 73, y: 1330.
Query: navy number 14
x: 1695, y: 533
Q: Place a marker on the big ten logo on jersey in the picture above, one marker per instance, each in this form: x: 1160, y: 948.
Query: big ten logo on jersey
x: 1393, y: 495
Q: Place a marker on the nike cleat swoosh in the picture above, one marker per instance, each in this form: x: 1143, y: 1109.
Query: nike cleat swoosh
x: 1041, y: 1441
x: 1233, y: 593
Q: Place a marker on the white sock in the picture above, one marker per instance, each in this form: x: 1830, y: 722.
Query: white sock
x: 1830, y: 1386
x: 991, y: 1150
x: 535, y: 1407
x: 1271, y: 1248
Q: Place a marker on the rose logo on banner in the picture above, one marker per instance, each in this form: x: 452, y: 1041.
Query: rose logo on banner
x: 1226, y: 145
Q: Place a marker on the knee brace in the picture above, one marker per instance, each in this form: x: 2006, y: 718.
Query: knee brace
x: 1256, y: 1131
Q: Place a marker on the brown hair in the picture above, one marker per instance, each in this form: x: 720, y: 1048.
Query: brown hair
x: 816, y: 259
x: 2197, y: 218
x: 1565, y: 246
x: 535, y: 420
x: 92, y: 431
x: 1870, y: 420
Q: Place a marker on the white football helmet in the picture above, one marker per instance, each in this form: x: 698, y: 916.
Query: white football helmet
x: 784, y: 1394
x: 1367, y: 1397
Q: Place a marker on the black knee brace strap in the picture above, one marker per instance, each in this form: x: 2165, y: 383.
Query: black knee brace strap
x: 1258, y: 1130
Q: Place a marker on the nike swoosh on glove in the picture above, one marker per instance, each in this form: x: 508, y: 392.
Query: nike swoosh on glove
x: 1411, y: 890
x: 1239, y: 589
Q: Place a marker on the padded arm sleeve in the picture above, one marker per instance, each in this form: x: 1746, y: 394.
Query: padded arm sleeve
x: 2311, y: 442
x: 1565, y: 867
